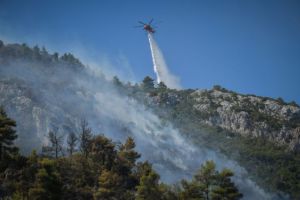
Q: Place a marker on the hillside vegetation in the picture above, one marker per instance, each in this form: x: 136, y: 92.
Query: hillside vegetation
x: 261, y: 133
x: 97, y: 168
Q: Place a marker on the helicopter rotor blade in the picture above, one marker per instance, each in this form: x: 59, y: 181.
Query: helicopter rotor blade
x: 142, y: 23
x: 140, y: 26
x: 151, y: 21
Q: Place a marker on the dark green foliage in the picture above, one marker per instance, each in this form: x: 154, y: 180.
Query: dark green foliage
x: 271, y: 166
x: 191, y: 191
x: 208, y: 183
x: 47, y: 185
x: 225, y: 188
x: 16, y: 52
x: 127, y: 152
x: 7, y: 137
x: 280, y: 100
x: 102, y: 171
x: 148, y: 188
x: 116, y: 81
x: 103, y: 151
x: 169, y: 192
x: 70, y: 59
x: 148, y: 84
x: 162, y: 87
x: 206, y: 177
x: 219, y: 88
x: 109, y: 186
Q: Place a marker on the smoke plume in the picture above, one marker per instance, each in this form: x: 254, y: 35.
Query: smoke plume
x: 41, y: 98
x: 160, y: 67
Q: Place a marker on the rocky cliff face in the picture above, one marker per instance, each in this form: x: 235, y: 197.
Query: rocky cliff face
x: 250, y: 115
x: 34, y: 118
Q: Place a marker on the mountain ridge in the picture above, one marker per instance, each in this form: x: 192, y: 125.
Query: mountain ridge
x: 45, y: 91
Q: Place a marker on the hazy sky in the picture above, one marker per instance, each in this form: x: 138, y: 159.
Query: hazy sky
x: 247, y: 46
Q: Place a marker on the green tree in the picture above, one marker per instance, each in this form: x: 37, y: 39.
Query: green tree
x: 103, y: 151
x: 280, y: 100
x: 116, y: 81
x: 191, y: 191
x: 36, y: 53
x: 162, y: 87
x: 26, y: 178
x: 55, y: 56
x: 148, y: 84
x: 126, y: 164
x: 148, y: 189
x: 109, y: 184
x: 168, y: 192
x: 206, y: 177
x: 127, y: 152
x: 225, y: 189
x: 7, y: 136
x: 47, y: 184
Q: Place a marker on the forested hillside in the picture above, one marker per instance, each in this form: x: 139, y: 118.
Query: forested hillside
x: 51, y: 95
x: 95, y: 167
x: 261, y: 133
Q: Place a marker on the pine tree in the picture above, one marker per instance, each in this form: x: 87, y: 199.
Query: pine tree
x: 191, y: 191
x: 225, y: 188
x: 148, y: 189
x: 148, y: 84
x: 103, y: 151
x: 27, y: 176
x: 116, y: 81
x: 127, y: 157
x: 168, y: 192
x: 47, y: 184
x: 212, y: 184
x: 162, y: 86
x: 206, y: 177
x: 109, y: 184
x: 7, y: 136
x: 127, y: 152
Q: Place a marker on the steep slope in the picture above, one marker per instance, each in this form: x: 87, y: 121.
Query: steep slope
x: 246, y: 115
x: 261, y: 133
x: 45, y: 91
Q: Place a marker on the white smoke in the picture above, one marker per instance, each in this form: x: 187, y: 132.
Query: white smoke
x: 61, y: 89
x: 160, y: 67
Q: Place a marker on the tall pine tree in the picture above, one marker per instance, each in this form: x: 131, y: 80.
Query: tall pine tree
x: 7, y: 135
x: 225, y: 188
x: 148, y: 189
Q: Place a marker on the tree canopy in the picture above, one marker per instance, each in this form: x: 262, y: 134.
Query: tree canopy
x: 99, y: 169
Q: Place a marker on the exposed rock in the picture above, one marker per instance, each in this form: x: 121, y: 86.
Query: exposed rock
x: 250, y: 116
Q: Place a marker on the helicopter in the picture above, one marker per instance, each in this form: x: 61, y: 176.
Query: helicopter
x: 147, y: 26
